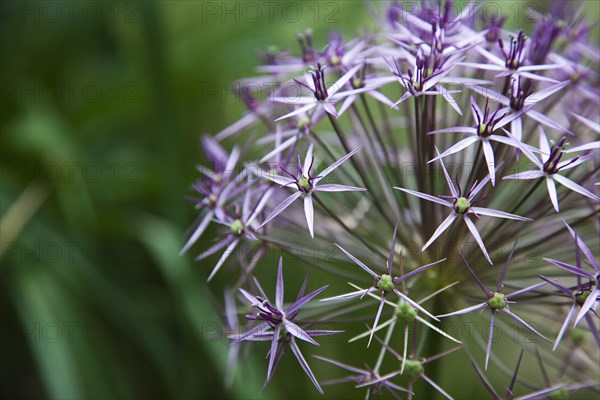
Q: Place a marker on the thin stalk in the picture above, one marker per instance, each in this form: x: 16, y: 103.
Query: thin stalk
x: 346, y: 228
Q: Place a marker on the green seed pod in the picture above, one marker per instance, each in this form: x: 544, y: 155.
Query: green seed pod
x: 413, y: 369
x: 405, y: 312
x: 385, y: 283
x: 462, y: 205
x: 236, y: 227
x: 497, y: 301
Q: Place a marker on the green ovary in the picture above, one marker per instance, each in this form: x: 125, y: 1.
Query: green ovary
x: 560, y: 394
x: 497, y: 301
x: 413, y: 369
x: 303, y: 183
x: 462, y: 205
x: 236, y: 227
x: 385, y: 283
x: 405, y: 312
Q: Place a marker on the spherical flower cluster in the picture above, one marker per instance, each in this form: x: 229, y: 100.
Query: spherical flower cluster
x: 425, y: 153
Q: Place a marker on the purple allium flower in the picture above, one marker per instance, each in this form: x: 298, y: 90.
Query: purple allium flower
x: 487, y: 123
x: 585, y: 295
x: 497, y: 302
x: 385, y: 284
x: 462, y: 207
x: 551, y: 163
x: 444, y: 56
x: 276, y: 324
x: 368, y: 378
x: 306, y: 184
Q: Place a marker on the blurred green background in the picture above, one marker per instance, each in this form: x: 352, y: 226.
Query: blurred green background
x: 102, y: 107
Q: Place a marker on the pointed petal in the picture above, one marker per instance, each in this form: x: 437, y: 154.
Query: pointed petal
x: 436, y: 387
x: 433, y: 327
x: 279, y: 148
x: 337, y: 188
x: 279, y: 286
x: 304, y: 365
x: 273, y: 352
x: 223, y: 258
x: 525, y: 324
x: 252, y: 332
x: 390, y: 261
x: 426, y: 196
x: 490, y: 340
x: 280, y: 208
x: 298, y: 111
x: 463, y: 144
x: 377, y: 316
x: 418, y: 270
x: 357, y: 262
x: 303, y: 300
x: 310, y: 214
x: 336, y: 164
x: 477, y: 237
x: 565, y: 324
x: 198, y: 231
x: 298, y: 332
x: 333, y: 89
x: 575, y: 187
x: 451, y: 186
x: 488, y: 152
x: 589, y: 303
x: 498, y: 214
x: 443, y: 226
x: 414, y: 304
x: 464, y: 310
x: 342, y: 365
x: 552, y: 191
x: 570, y: 268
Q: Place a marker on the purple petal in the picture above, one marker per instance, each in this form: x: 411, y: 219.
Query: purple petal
x: 426, y: 197
x: 490, y: 339
x: 337, y: 163
x: 298, y: 332
x: 589, y: 302
x: 304, y: 365
x: 463, y: 144
x: 357, y: 262
x: 377, y: 316
x: 418, y: 270
x: 525, y: 324
x: 570, y: 268
x: 524, y: 290
x: 280, y: 208
x: 279, y: 287
x: 303, y: 300
x: 198, y: 232
x: 223, y: 258
x: 310, y: 214
x: 436, y: 387
x: 342, y: 365
x: 443, y: 226
x: 464, y: 310
x: 565, y: 324
x: 390, y: 262
x: 273, y: 352
x: 575, y: 187
x: 337, y: 188
x: 477, y: 237
x: 414, y: 304
x: 498, y: 214
x: 252, y: 332
x: 488, y: 152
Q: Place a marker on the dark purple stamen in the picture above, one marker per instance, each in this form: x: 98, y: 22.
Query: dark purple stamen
x: 556, y: 153
x: 514, y: 57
